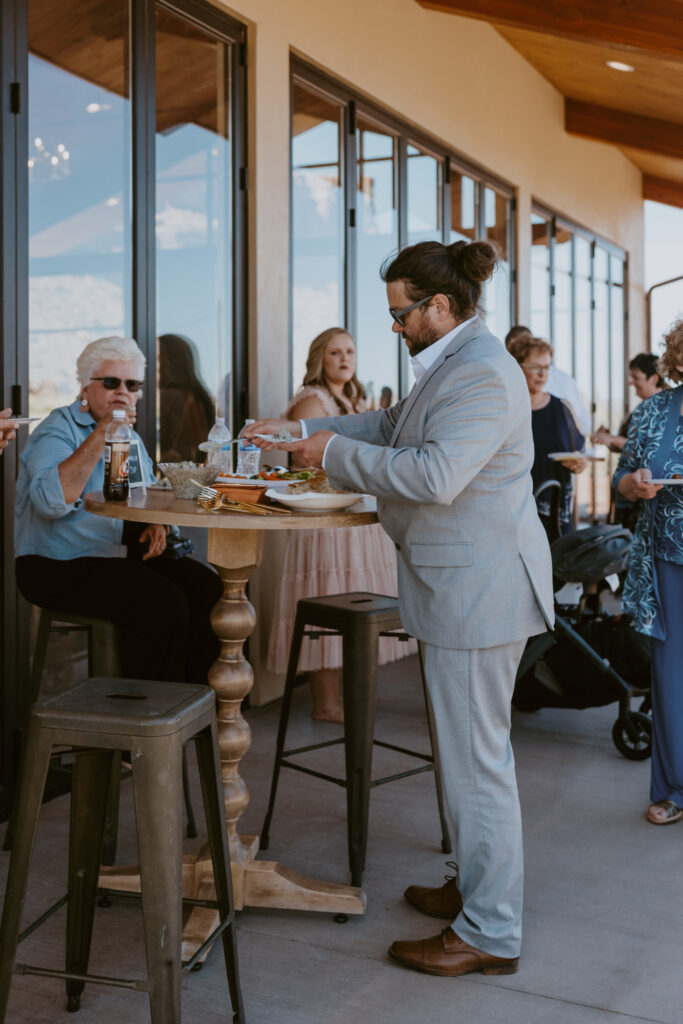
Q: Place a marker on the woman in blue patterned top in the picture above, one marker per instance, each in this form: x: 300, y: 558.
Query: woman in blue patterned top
x: 71, y: 561
x: 653, y: 592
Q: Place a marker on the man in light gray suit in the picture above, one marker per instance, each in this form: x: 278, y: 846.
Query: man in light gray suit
x: 450, y: 465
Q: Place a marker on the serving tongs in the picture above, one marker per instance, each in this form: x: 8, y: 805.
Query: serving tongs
x: 215, y: 501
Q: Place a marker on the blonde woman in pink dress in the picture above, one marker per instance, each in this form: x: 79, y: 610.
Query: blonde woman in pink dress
x: 322, y: 562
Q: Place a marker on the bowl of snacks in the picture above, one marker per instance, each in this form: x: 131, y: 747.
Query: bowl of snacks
x: 186, y: 478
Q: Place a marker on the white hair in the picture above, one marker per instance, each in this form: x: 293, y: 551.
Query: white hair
x: 103, y: 350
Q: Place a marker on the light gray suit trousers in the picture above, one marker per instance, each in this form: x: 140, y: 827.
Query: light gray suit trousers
x: 470, y: 691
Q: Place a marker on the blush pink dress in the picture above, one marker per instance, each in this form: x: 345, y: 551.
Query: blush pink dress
x: 322, y: 562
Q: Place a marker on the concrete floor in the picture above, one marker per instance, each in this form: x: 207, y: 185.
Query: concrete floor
x: 602, y: 928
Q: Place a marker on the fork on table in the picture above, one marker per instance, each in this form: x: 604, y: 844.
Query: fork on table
x: 215, y: 501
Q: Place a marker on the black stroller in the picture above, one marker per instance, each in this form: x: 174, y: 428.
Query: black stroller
x: 591, y: 658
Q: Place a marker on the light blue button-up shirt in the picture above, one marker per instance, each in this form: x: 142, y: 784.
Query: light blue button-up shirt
x: 45, y: 524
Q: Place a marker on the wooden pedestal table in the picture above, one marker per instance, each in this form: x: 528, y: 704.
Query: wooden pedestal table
x: 236, y: 549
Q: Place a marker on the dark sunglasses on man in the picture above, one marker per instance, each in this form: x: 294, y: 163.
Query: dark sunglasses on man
x: 112, y: 383
x: 399, y: 314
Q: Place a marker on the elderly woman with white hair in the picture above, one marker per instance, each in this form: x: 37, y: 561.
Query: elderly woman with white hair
x: 71, y: 561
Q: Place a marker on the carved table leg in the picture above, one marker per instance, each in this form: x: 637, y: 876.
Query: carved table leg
x: 235, y: 554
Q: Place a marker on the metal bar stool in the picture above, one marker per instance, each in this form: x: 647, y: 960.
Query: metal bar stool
x: 153, y: 720
x: 360, y: 619
x: 103, y: 660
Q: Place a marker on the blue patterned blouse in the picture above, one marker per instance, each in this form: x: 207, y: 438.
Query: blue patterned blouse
x: 646, y: 430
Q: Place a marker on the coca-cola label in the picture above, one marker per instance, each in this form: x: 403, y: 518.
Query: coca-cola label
x: 117, y: 462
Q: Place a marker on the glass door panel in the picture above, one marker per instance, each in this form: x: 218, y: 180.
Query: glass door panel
x: 194, y: 234
x: 376, y: 238
x: 318, y: 292
x: 78, y: 166
x: 617, y: 352
x: 601, y: 370
x: 583, y: 357
x: 563, y: 320
x: 617, y: 344
x: 424, y: 196
x: 540, y: 276
x: 496, y: 292
x: 464, y: 205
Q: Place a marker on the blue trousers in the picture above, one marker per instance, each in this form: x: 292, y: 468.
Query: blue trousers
x: 666, y: 782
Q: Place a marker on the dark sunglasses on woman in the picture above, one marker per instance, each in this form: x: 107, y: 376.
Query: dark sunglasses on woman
x: 112, y: 383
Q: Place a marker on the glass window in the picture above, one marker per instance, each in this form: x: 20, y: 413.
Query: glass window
x: 540, y: 276
x: 618, y: 343
x: 464, y: 207
x: 601, y: 369
x: 318, y: 249
x: 496, y: 292
x: 343, y: 231
x: 424, y: 196
x: 617, y: 352
x: 377, y: 238
x: 583, y: 357
x: 563, y: 305
x: 79, y: 189
x: 193, y: 234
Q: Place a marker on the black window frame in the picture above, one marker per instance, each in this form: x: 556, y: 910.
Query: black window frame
x: 353, y: 104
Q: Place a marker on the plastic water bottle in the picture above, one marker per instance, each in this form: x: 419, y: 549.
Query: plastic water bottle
x: 248, y: 456
x: 117, y: 457
x: 221, y: 458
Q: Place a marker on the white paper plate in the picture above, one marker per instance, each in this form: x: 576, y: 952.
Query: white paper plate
x: 667, y: 481
x: 568, y: 456
x: 21, y: 420
x: 241, y: 481
x: 311, y: 502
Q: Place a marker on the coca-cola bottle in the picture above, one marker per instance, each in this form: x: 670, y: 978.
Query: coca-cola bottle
x: 117, y: 457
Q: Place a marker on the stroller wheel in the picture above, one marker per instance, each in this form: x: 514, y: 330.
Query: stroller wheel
x: 632, y: 735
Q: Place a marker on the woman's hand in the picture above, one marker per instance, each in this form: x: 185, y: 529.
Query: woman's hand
x: 7, y: 431
x: 615, y: 442
x: 270, y: 427
x: 575, y: 465
x: 102, y: 424
x: 602, y: 436
x: 635, y: 486
x: 156, y: 535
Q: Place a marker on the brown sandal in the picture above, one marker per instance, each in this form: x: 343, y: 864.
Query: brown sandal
x: 672, y: 813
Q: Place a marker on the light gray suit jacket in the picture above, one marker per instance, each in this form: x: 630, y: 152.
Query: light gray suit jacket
x: 450, y: 465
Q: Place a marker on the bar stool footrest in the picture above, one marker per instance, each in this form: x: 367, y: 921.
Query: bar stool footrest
x: 140, y: 984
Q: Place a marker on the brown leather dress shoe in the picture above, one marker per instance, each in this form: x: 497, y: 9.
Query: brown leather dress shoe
x: 449, y: 956
x: 444, y: 901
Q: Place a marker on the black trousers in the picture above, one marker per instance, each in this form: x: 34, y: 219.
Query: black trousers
x: 161, y: 608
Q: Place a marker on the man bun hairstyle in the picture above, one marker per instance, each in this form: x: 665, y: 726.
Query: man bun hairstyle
x: 457, y: 270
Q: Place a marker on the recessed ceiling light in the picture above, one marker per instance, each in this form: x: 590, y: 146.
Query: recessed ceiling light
x: 617, y: 65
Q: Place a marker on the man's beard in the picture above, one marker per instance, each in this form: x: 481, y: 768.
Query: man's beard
x: 418, y: 343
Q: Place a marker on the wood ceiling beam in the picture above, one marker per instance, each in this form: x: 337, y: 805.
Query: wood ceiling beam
x: 623, y: 129
x: 663, y: 190
x: 655, y: 26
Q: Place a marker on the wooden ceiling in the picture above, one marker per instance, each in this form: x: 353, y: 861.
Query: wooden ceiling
x: 190, y: 75
x: 640, y: 112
